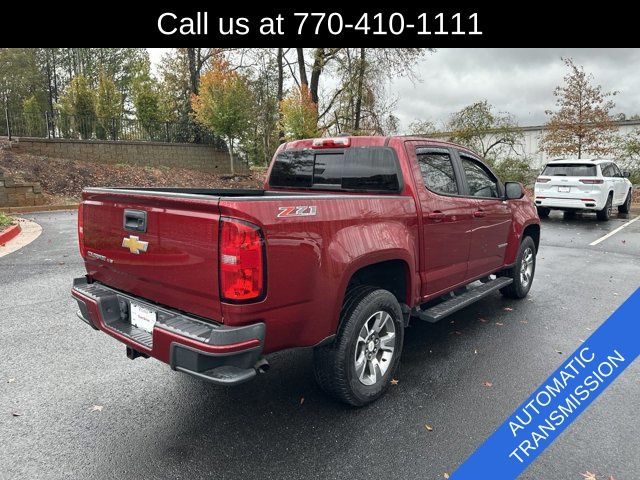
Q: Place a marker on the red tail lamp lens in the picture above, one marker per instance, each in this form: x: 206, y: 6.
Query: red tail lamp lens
x: 591, y: 181
x: 543, y: 180
x: 241, y: 260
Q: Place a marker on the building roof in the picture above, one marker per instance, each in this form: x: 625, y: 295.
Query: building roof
x: 589, y: 161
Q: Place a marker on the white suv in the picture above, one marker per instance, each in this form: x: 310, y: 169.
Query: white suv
x: 582, y: 184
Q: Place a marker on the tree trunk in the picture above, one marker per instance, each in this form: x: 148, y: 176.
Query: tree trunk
x: 230, y: 142
x: 193, y: 70
x: 358, y: 109
x: 302, y: 67
x: 318, y: 64
x: 280, y: 93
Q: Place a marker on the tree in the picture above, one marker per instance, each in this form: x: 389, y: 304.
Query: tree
x: 34, y: 119
x: 148, y: 103
x: 20, y: 79
x: 628, y: 149
x: 424, y: 128
x: 582, y: 123
x: 223, y: 104
x: 79, y: 101
x: 108, y: 108
x: 299, y: 114
x: 477, y: 127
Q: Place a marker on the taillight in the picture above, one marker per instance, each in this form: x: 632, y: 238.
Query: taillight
x: 241, y: 260
x: 81, y: 229
x: 591, y: 181
x: 331, y: 142
x: 542, y: 180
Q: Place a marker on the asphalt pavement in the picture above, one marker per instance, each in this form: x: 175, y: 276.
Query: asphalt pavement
x: 73, y: 406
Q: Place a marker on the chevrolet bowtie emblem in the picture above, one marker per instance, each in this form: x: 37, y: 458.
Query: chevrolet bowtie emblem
x: 134, y: 244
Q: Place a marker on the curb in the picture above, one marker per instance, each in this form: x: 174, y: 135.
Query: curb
x: 9, y: 233
x: 39, y: 208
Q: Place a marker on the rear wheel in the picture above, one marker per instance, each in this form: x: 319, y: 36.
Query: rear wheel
x: 605, y: 213
x: 543, y: 212
x: 626, y: 206
x: 359, y: 365
x: 523, y: 270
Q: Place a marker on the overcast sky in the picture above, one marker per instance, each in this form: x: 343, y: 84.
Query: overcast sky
x: 518, y: 81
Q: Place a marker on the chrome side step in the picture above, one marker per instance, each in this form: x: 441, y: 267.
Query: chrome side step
x: 438, y: 312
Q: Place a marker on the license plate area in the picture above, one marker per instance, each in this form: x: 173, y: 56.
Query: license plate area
x: 142, y: 317
x: 564, y: 189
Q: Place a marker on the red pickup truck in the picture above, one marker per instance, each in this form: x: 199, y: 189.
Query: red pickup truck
x: 349, y: 239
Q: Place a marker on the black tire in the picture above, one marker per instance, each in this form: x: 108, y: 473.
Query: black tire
x: 519, y: 288
x: 605, y: 213
x: 543, y: 212
x: 335, y: 364
x: 569, y: 214
x: 626, y: 206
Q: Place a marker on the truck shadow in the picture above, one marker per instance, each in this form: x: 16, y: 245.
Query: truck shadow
x: 286, y: 411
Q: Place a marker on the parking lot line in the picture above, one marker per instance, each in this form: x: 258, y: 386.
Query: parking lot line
x: 613, y: 232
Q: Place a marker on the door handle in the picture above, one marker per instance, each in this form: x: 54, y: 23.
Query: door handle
x: 479, y: 213
x: 436, y: 216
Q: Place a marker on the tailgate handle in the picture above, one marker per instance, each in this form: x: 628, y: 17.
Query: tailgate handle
x: 135, y: 220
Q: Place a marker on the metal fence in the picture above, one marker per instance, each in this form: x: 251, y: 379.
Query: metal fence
x: 77, y: 127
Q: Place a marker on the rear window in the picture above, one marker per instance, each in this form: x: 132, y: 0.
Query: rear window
x: 570, y: 170
x: 358, y: 168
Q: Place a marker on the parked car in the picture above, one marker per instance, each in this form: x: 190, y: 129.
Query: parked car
x: 581, y: 184
x: 349, y: 239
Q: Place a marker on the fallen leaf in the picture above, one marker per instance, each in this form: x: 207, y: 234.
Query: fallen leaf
x: 301, y: 400
x: 487, y: 384
x: 508, y: 309
x: 60, y: 263
x: 97, y: 408
x: 475, y: 351
x: 456, y: 332
x: 16, y: 414
x: 11, y: 380
x: 429, y: 428
x: 558, y: 352
x: 394, y: 381
x: 482, y: 320
x: 446, y: 475
x: 523, y: 321
x: 499, y: 324
x: 588, y: 475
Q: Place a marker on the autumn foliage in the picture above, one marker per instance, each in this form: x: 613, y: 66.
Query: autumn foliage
x: 299, y: 114
x: 223, y: 103
x: 582, y: 123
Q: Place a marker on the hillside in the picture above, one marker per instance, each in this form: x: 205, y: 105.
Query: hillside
x: 63, y: 180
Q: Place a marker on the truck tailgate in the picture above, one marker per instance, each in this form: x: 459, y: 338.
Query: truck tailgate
x: 172, y: 259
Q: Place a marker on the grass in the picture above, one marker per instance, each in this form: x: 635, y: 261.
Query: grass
x: 5, y: 221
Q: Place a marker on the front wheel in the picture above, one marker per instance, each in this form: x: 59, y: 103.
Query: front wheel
x: 523, y: 270
x: 626, y: 206
x: 358, y: 366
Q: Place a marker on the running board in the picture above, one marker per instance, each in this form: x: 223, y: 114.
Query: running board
x: 438, y: 312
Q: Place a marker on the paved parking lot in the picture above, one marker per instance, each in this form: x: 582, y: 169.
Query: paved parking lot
x: 86, y: 411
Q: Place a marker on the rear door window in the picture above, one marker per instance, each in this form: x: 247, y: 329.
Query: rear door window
x: 570, y: 170
x: 437, y: 171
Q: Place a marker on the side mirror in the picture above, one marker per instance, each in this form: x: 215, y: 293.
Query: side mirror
x: 626, y: 174
x: 513, y: 190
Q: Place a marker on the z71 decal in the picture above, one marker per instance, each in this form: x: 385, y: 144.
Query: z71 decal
x: 304, y: 211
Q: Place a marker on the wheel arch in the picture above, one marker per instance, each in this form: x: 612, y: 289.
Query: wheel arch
x: 392, y: 271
